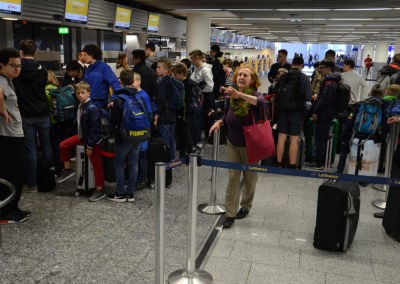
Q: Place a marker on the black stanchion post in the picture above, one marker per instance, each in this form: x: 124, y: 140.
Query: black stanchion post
x: 212, y: 208
x: 160, y: 222
x: 190, y: 274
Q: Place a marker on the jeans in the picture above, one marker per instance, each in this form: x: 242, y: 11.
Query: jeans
x: 167, y: 133
x: 131, y: 151
x: 143, y: 171
x: 321, y: 139
x: 197, y: 124
x: 32, y: 126
x: 344, y: 150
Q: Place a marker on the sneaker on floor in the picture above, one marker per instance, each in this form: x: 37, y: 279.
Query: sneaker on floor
x: 243, y: 212
x: 130, y: 198
x: 97, y: 195
x: 228, y: 222
x: 28, y: 213
x: 117, y: 197
x: 15, y: 217
x: 142, y: 185
x: 66, y: 174
x: 28, y: 188
x: 314, y: 166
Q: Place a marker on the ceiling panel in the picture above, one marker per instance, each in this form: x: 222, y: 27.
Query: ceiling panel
x: 301, y: 20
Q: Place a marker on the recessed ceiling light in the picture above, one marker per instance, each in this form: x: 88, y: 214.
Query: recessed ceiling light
x: 10, y: 19
x: 365, y: 9
x: 350, y: 19
x: 263, y: 19
x: 302, y: 10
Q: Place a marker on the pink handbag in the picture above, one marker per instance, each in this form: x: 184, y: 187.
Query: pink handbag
x: 260, y: 142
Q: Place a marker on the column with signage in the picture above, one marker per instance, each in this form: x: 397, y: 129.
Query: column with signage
x: 381, y: 55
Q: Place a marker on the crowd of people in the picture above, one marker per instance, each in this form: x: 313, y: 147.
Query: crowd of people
x: 174, y: 102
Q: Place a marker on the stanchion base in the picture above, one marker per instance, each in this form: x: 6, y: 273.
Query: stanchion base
x: 379, y: 215
x: 379, y: 187
x: 211, y: 209
x: 379, y: 203
x: 181, y: 277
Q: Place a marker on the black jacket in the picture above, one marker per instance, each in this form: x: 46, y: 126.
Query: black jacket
x: 326, y: 105
x: 148, y: 79
x: 274, y: 70
x: 32, y: 100
x: 167, y: 113
x: 90, y: 124
x: 218, y: 75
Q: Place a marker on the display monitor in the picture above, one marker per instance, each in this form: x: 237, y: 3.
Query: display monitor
x: 123, y: 18
x: 12, y: 7
x: 153, y: 23
x: 76, y: 11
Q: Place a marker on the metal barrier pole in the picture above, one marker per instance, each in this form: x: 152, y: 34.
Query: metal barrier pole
x: 7, y: 200
x: 384, y: 187
x: 190, y: 274
x: 212, y: 208
x: 160, y: 222
x: 391, y: 147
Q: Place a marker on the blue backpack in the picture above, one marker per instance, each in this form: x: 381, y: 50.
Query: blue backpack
x: 135, y: 123
x: 369, y: 116
x: 63, y: 103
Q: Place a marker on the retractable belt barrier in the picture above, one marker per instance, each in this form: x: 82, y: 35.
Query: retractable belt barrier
x: 288, y: 172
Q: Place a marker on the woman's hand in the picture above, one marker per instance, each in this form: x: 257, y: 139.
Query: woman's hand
x: 89, y: 152
x: 216, y: 126
x: 231, y: 93
x: 393, y: 119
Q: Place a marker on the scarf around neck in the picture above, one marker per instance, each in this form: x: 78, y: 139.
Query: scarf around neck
x: 239, y: 106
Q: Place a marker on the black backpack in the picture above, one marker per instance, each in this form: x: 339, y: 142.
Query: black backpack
x: 344, y: 94
x: 288, y: 89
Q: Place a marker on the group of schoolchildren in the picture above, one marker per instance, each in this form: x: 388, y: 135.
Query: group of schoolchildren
x: 360, y: 119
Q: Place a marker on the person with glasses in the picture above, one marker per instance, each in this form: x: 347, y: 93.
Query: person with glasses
x: 35, y: 110
x: 12, y: 147
x: 324, y: 110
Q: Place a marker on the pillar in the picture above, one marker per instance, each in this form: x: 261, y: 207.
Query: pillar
x: 6, y: 34
x: 397, y: 46
x: 198, y: 29
x: 381, y: 55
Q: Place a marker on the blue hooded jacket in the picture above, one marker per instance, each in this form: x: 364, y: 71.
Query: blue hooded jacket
x: 100, y: 78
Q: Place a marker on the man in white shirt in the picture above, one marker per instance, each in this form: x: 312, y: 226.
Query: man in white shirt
x: 355, y: 81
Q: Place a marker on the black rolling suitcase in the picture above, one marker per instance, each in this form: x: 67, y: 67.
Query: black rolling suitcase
x: 108, y: 156
x: 337, y: 215
x: 159, y: 152
x: 391, y: 217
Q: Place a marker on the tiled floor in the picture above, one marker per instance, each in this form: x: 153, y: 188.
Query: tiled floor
x: 274, y: 243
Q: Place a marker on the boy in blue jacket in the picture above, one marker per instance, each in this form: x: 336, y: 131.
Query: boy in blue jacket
x: 89, y: 135
x: 127, y: 147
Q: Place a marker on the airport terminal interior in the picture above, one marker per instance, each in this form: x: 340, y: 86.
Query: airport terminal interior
x: 70, y: 240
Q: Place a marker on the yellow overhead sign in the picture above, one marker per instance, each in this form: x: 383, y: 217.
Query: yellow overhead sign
x: 123, y: 17
x: 77, y: 10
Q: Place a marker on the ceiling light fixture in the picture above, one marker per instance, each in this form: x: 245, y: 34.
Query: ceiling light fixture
x: 302, y: 10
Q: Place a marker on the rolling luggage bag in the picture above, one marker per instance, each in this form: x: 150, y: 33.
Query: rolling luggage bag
x: 159, y: 152
x: 391, y: 217
x: 337, y: 215
x: 310, y: 142
x: 85, y: 182
x: 107, y: 157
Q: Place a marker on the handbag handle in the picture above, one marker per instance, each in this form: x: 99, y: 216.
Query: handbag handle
x: 262, y: 111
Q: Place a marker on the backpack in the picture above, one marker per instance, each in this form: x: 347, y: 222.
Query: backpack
x: 289, y: 92
x: 135, y: 123
x: 176, y: 100
x: 105, y: 122
x: 197, y: 95
x: 344, y: 95
x: 382, y: 83
x: 369, y: 116
x: 392, y: 107
x: 63, y: 103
